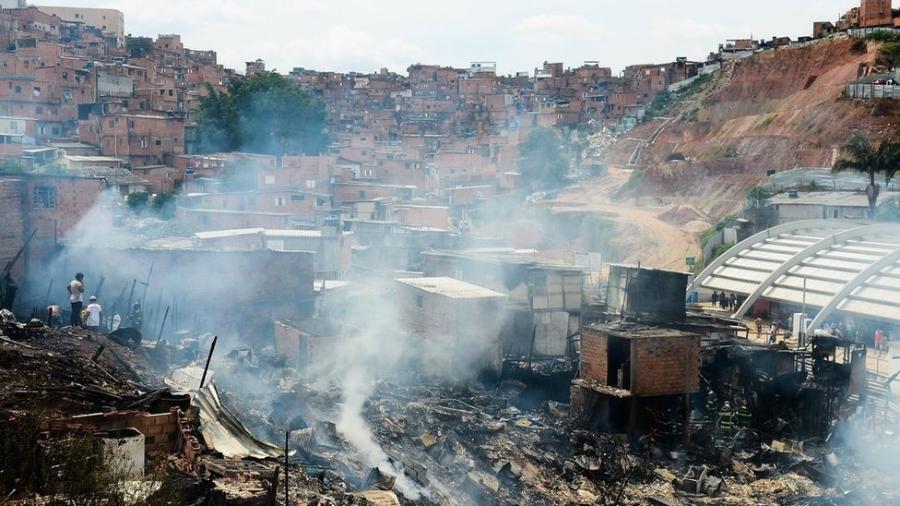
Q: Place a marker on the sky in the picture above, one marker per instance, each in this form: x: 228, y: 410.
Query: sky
x: 519, y: 35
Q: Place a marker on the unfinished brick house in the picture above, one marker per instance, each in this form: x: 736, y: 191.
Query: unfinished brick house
x: 645, y: 361
x: 142, y: 139
x: 49, y: 206
x: 875, y: 13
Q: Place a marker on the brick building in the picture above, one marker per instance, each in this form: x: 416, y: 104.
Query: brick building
x: 49, y: 206
x: 874, y: 13
x: 628, y: 367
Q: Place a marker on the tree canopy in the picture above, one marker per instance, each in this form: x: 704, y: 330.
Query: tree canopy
x: 541, y: 159
x: 861, y: 156
x: 264, y: 113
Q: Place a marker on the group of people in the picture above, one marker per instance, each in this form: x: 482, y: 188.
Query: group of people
x: 89, y: 317
x: 725, y: 301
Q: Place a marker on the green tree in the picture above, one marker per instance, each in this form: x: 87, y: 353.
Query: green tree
x: 265, y: 113
x: 541, y: 159
x: 861, y: 156
x: 163, y: 204
x: 137, y: 201
x: 138, y: 47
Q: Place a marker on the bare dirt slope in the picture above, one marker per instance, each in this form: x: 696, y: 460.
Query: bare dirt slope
x: 655, y: 236
x: 777, y: 110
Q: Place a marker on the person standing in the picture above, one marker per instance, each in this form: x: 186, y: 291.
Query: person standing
x: 733, y: 302
x: 76, y: 299
x: 95, y: 315
x: 715, y: 298
x: 879, y: 340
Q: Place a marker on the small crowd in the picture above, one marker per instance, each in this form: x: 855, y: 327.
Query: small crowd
x: 725, y: 301
x: 90, y: 316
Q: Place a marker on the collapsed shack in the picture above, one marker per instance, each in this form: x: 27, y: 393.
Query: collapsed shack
x: 92, y: 423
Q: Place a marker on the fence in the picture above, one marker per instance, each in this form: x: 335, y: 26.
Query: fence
x: 859, y: 90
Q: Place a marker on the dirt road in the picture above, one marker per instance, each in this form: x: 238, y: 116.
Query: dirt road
x: 655, y: 237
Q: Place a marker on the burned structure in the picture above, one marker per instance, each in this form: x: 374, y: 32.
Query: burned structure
x: 458, y: 322
x: 544, y: 300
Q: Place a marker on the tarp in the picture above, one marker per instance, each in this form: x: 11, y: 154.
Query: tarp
x: 223, y: 432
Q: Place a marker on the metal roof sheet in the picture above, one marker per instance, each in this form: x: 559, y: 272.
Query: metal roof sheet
x: 451, y: 288
x: 816, y: 263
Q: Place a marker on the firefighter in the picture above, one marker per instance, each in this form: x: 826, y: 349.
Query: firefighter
x: 712, y: 403
x: 743, y: 415
x: 726, y: 419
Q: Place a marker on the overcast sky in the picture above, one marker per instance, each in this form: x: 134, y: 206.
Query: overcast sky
x: 364, y: 35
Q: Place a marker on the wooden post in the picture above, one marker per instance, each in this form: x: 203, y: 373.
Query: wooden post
x: 146, y: 286
x: 128, y: 307
x: 161, y: 327
x: 208, y: 359
x: 97, y: 353
x: 286, y: 498
x: 47, y: 298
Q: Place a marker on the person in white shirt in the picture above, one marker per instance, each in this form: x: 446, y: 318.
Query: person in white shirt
x: 76, y: 294
x: 95, y: 315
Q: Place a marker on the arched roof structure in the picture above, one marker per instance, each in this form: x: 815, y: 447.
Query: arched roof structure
x: 830, y: 265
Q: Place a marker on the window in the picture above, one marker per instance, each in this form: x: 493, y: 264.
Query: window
x: 310, y: 183
x: 39, y: 110
x: 143, y: 142
x: 112, y: 123
x: 270, y: 179
x: 280, y: 202
x: 420, y: 301
x: 362, y: 194
x: 834, y: 213
x: 44, y: 197
x: 18, y: 89
x: 158, y: 142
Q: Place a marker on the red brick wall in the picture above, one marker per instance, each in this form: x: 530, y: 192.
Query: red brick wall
x: 161, y: 431
x: 593, y: 355
x: 665, y: 365
x: 11, y: 233
x: 875, y: 13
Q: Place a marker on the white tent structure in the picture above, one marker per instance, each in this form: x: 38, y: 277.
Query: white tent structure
x: 827, y: 265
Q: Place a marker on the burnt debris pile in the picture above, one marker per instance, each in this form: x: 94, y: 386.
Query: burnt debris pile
x: 450, y: 394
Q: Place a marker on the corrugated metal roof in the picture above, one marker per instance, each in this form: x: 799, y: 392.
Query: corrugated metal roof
x: 806, y: 262
x: 451, y: 288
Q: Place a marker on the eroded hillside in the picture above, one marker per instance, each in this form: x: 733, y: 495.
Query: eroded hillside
x: 778, y: 110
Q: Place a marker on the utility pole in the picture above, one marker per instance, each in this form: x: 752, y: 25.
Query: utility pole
x: 287, y: 499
